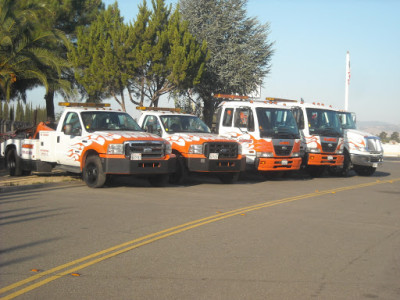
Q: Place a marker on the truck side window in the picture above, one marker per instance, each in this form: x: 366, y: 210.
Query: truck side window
x: 228, y: 116
x: 244, y: 118
x: 72, y: 119
x: 298, y: 115
x: 152, y: 125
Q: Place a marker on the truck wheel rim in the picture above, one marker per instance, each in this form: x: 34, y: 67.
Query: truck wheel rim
x: 92, y: 173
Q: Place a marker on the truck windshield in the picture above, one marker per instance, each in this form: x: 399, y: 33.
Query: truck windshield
x: 108, y: 120
x: 347, y: 121
x: 182, y: 123
x: 324, y: 122
x: 277, y: 123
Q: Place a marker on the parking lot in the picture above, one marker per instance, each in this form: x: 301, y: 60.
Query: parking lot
x: 287, y: 238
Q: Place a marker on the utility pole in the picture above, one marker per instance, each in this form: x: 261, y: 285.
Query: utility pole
x: 346, y: 97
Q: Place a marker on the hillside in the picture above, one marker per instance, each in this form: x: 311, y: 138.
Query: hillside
x: 376, y: 127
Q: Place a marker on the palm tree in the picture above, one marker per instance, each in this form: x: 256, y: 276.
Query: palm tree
x: 28, y: 53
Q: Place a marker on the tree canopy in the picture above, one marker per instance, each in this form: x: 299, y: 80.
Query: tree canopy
x: 33, y: 45
x: 240, y: 52
x: 27, y: 51
x: 153, y: 56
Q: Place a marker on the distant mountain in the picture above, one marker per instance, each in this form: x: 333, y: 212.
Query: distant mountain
x: 376, y: 127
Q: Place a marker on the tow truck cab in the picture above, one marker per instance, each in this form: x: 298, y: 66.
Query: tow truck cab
x: 322, y: 135
x: 196, y: 148
x: 267, y: 131
x: 363, y: 152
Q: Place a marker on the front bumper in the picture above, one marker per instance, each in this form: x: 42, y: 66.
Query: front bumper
x: 278, y: 164
x: 138, y: 167
x: 196, y: 164
x: 324, y: 159
x: 369, y: 160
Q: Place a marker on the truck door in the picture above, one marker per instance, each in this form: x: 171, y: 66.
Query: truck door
x: 69, y: 141
x: 152, y: 125
x: 299, y: 117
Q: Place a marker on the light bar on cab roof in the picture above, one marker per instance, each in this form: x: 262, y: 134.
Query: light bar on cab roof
x: 158, y: 108
x: 80, y: 104
x: 279, y: 100
x: 224, y: 96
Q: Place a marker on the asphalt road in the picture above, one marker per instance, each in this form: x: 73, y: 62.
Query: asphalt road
x: 290, y: 238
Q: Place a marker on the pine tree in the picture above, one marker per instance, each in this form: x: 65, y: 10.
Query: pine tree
x: 12, y: 113
x: 156, y: 55
x: 100, y: 57
x: 168, y: 58
x: 5, y: 111
x: 19, y: 112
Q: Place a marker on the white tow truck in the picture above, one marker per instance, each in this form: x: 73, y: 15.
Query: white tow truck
x: 92, y: 140
x: 197, y: 149
x: 267, y: 131
x: 363, y: 152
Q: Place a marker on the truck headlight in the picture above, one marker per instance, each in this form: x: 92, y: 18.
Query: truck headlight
x: 115, y: 149
x: 296, y: 154
x: 314, y: 150
x: 168, y: 148
x: 265, y: 154
x: 339, y: 151
x: 196, y: 149
x: 361, y: 148
x: 240, y: 149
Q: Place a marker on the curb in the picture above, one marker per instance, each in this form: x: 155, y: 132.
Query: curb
x: 20, y: 188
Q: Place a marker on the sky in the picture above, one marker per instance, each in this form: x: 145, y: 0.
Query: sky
x: 311, y: 39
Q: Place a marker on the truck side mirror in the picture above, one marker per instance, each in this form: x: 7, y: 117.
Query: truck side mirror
x: 68, y: 129
x: 149, y: 128
x: 353, y: 115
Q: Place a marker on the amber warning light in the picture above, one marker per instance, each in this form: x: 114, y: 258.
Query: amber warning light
x: 158, y: 108
x: 80, y: 104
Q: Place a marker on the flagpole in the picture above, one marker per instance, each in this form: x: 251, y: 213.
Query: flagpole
x: 346, y: 97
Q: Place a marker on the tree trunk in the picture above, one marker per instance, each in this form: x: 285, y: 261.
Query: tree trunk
x: 49, y: 97
x: 208, y: 109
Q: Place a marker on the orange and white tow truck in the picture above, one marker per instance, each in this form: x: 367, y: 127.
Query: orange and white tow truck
x: 322, y: 135
x: 267, y: 132
x: 196, y: 148
x: 95, y: 141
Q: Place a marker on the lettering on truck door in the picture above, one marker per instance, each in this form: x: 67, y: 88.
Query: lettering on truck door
x: 69, y: 141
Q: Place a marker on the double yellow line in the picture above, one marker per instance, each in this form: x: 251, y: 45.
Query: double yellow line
x: 81, y: 263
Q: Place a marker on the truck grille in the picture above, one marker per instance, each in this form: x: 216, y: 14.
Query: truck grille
x: 283, y: 150
x: 148, y: 149
x: 329, y: 147
x: 374, y: 144
x: 224, y: 150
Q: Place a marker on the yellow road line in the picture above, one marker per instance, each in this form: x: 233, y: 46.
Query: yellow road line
x: 125, y: 247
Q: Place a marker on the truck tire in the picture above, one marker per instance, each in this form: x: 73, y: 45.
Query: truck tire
x: 344, y: 170
x: 93, y: 173
x: 315, y: 171
x: 181, y: 173
x: 364, y: 170
x: 14, y: 163
x: 159, y: 180
x: 229, y: 178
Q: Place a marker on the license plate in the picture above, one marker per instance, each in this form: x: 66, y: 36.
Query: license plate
x: 136, y: 156
x: 284, y: 162
x: 213, y: 156
x: 374, y: 165
x: 330, y: 157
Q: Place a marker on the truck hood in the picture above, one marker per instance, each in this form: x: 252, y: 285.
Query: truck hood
x: 115, y: 135
x: 193, y: 137
x: 354, y: 132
